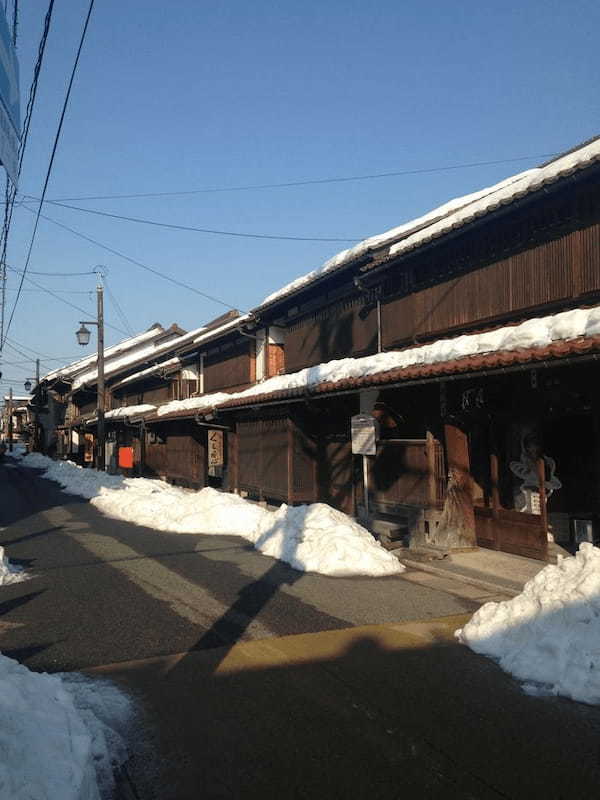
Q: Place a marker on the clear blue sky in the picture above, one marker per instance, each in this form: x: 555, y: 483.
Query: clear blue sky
x: 186, y: 95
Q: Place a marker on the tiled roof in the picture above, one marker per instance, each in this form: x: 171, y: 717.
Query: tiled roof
x: 475, y: 363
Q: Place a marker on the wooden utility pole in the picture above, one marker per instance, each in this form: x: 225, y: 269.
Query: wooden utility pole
x: 10, y: 419
x: 36, y: 419
x: 83, y: 337
x: 100, y: 457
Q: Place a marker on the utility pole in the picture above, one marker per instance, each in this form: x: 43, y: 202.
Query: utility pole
x: 10, y: 420
x: 83, y: 337
x: 36, y: 407
x: 101, y: 463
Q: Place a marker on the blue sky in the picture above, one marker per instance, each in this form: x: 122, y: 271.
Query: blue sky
x: 189, y: 95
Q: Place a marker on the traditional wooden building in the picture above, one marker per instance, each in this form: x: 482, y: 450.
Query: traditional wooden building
x: 507, y: 422
x: 471, y: 336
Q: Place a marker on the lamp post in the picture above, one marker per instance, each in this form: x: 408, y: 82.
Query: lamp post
x: 83, y: 337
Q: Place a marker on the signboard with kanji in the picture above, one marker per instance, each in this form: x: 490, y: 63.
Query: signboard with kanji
x: 215, y: 448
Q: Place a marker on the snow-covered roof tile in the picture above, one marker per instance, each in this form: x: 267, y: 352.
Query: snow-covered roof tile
x: 451, y: 215
x: 68, y: 370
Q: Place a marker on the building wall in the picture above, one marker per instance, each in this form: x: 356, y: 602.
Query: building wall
x: 344, y: 328
x: 542, y: 257
x: 229, y: 367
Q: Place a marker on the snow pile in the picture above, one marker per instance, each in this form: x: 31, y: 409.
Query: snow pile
x: 59, y: 736
x: 549, y: 635
x: 9, y: 573
x: 73, y: 478
x: 314, y: 538
x: 533, y: 333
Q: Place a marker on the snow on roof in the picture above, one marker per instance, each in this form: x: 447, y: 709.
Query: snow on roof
x: 194, y: 337
x: 452, y: 214
x: 171, y: 362
x: 193, y: 403
x: 129, y: 411
x: 214, y: 332
x: 125, y: 344
x: 138, y: 355
x: 534, y: 333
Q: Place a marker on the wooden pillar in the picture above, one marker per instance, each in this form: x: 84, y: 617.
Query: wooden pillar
x: 290, y: 461
x: 431, y: 469
x: 457, y: 525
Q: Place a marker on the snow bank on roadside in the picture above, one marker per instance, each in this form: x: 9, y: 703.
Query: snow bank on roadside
x: 60, y: 734
x: 313, y: 538
x: 549, y: 635
x: 9, y: 573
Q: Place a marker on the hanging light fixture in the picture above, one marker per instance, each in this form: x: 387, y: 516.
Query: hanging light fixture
x: 83, y: 335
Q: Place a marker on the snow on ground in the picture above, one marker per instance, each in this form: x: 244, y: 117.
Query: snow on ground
x: 548, y: 636
x: 9, y: 573
x: 313, y: 538
x: 61, y: 735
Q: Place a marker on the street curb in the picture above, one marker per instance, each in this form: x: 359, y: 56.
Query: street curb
x: 496, y: 588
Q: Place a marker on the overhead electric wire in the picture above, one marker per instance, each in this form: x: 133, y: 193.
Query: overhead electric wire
x: 51, y: 162
x: 194, y: 229
x: 58, y: 291
x: 11, y: 193
x: 118, y: 308
x: 55, y: 274
x: 137, y: 263
x: 67, y: 302
x: 307, y: 182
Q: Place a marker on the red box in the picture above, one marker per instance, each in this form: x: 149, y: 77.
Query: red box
x: 126, y: 457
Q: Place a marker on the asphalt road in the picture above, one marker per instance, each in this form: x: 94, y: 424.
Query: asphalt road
x: 260, y: 681
x: 104, y: 591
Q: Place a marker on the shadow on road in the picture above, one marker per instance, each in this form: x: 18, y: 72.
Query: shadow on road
x: 353, y: 715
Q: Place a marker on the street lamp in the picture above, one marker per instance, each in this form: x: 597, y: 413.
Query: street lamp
x: 83, y: 338
x: 83, y: 335
x: 27, y: 385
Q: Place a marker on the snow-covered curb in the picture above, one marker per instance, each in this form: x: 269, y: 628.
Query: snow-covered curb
x: 9, y: 573
x: 313, y: 538
x: 549, y: 635
x: 60, y: 736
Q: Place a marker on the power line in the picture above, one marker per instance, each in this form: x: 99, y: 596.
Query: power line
x: 54, y: 274
x: 194, y: 229
x: 118, y: 308
x: 51, y: 162
x: 13, y: 345
x: 189, y: 228
x: 66, y: 302
x: 307, y: 182
x: 131, y: 260
x: 11, y: 192
x: 58, y: 291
